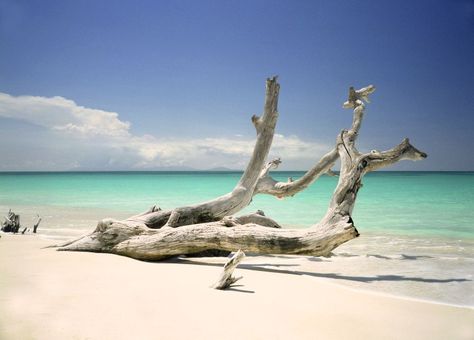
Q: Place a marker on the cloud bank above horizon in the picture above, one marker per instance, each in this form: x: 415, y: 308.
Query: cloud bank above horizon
x: 72, y: 137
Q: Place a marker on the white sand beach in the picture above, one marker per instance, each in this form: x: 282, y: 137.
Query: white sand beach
x: 45, y: 294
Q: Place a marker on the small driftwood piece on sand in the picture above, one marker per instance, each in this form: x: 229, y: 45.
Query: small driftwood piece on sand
x: 11, y: 224
x: 35, y: 227
x: 212, y: 225
x: 226, y: 279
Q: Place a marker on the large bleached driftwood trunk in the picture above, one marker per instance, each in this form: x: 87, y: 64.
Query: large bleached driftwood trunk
x: 156, y: 234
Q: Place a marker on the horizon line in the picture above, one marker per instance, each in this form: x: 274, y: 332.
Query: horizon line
x: 197, y: 170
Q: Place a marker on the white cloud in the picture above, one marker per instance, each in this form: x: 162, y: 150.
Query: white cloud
x: 111, y: 145
x: 62, y: 114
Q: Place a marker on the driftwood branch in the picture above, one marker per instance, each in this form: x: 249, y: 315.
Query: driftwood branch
x: 11, y: 223
x: 142, y: 243
x: 36, y: 225
x: 242, y: 194
x: 257, y: 217
x: 156, y: 234
x: 226, y: 279
x: 267, y: 185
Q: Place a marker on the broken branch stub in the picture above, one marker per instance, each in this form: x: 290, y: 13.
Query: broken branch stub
x: 226, y: 279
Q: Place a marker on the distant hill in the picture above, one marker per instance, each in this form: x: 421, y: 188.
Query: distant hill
x: 162, y: 168
x: 222, y: 168
x: 175, y: 168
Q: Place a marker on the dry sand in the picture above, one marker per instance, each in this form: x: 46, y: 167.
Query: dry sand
x: 45, y: 294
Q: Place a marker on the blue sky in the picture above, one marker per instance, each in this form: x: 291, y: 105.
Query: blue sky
x: 119, y: 85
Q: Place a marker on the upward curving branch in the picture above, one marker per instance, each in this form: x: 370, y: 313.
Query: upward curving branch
x: 242, y: 194
x: 268, y: 185
x: 251, y: 233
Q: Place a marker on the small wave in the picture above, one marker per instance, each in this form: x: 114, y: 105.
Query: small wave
x: 64, y: 230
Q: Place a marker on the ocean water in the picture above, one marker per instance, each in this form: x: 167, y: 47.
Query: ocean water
x: 417, y: 228
x: 405, y: 203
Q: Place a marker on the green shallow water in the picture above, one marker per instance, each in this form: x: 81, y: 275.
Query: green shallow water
x: 439, y: 204
x: 417, y: 234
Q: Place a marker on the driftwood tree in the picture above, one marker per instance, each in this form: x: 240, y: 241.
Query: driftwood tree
x: 157, y: 234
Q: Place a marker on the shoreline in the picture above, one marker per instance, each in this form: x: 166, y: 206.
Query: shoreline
x: 45, y: 294
x: 49, y: 241
x: 87, y: 217
x: 403, y: 297
x: 401, y: 267
x: 319, y: 274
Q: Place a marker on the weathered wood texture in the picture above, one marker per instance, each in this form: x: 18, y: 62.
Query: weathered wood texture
x: 155, y: 235
x: 11, y: 223
x: 226, y: 279
x: 36, y: 225
x: 242, y: 193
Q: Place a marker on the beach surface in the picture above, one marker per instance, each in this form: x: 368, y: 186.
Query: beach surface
x: 45, y: 294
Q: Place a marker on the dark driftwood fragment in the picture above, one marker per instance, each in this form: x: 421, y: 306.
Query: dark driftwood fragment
x: 35, y: 227
x: 11, y: 223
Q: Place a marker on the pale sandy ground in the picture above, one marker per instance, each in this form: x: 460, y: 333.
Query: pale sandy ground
x: 46, y: 294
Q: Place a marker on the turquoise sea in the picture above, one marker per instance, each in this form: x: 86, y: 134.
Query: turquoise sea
x: 405, y: 203
x: 417, y: 228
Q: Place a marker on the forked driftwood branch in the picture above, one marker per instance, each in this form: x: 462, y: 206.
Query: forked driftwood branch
x: 157, y: 234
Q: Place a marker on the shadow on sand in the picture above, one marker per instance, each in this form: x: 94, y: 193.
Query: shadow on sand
x: 274, y: 268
